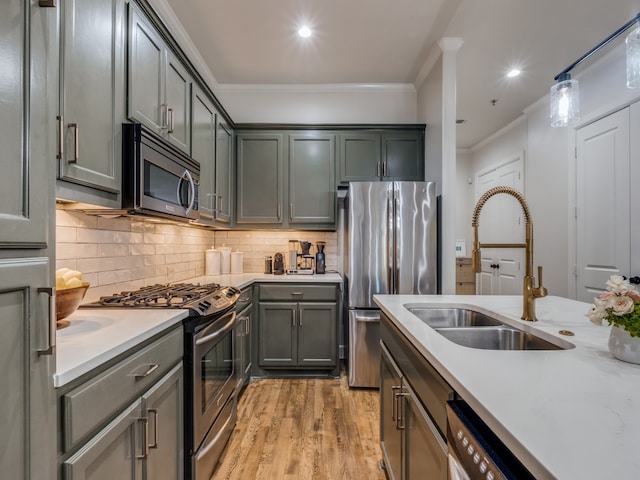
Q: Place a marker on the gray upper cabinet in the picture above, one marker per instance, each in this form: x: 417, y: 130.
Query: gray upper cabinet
x: 403, y: 156
x: 211, y: 142
x: 159, y: 85
x: 384, y: 155
x: 260, y: 178
x: 224, y: 172
x: 28, y: 93
x: 91, y: 112
x: 203, y: 150
x: 312, y: 197
x: 360, y: 155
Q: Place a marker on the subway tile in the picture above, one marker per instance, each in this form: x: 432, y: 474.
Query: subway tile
x: 66, y: 234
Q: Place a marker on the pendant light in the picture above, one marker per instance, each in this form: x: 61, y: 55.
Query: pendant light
x: 633, y: 58
x: 565, y: 102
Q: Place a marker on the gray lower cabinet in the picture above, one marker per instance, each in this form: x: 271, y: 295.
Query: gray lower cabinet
x: 127, y: 422
x: 92, y: 97
x: 211, y: 146
x: 300, y: 333
x: 159, y: 86
x: 388, y: 155
x: 412, y: 432
x: 28, y: 92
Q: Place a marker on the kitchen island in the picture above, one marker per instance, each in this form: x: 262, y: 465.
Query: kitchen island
x: 565, y: 414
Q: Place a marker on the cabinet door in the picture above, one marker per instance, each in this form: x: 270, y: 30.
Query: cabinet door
x: 403, y: 156
x: 425, y: 454
x: 277, y: 334
x: 260, y: 178
x: 27, y: 404
x: 204, y: 151
x: 360, y: 157
x: 92, y: 92
x: 163, y: 407
x: 243, y: 347
x: 224, y: 179
x: 26, y: 181
x: 317, y: 341
x: 113, y: 453
x: 312, y: 189
x: 146, y: 78
x: 178, y: 101
x: 390, y: 435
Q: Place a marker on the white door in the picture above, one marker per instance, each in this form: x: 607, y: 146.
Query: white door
x: 602, y: 200
x: 501, y: 221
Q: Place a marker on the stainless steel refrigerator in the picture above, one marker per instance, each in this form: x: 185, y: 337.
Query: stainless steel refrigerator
x: 391, y: 248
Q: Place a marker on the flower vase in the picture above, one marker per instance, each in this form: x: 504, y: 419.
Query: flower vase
x: 623, y: 346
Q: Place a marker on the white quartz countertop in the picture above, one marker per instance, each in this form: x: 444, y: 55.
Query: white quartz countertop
x: 97, y: 335
x: 567, y: 414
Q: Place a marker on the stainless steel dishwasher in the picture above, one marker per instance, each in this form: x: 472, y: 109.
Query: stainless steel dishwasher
x: 364, y: 348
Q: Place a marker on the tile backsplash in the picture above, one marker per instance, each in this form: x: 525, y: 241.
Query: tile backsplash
x: 129, y: 252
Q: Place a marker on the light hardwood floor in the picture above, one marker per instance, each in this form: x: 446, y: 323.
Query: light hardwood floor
x: 304, y: 429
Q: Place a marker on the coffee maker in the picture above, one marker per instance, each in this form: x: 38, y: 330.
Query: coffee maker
x: 300, y: 258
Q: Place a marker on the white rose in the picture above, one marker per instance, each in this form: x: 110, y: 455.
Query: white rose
x: 598, y: 311
x: 617, y: 284
x: 621, y: 305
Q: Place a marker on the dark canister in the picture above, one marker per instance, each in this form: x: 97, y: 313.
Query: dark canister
x: 320, y: 257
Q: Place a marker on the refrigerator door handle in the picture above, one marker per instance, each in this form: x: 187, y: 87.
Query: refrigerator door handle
x: 396, y: 248
x: 390, y: 243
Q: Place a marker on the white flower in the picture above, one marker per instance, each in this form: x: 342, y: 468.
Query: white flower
x: 598, y: 311
x: 621, y: 305
x: 618, y: 284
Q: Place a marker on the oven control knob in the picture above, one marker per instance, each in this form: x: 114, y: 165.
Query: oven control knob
x: 465, y: 442
x: 476, y: 458
x: 459, y: 434
x: 490, y: 476
x: 483, y: 467
x: 470, y: 450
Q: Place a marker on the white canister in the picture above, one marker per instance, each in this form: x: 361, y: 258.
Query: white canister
x: 236, y: 262
x: 225, y: 262
x: 212, y: 262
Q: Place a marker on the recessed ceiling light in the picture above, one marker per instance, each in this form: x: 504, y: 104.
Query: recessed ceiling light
x: 513, y: 73
x: 304, y: 31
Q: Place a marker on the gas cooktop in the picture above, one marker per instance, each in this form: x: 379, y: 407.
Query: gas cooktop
x: 199, y: 299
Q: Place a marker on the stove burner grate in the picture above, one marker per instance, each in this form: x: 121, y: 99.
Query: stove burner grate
x: 160, y: 295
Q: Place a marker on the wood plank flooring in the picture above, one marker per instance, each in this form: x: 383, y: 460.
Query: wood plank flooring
x: 304, y: 429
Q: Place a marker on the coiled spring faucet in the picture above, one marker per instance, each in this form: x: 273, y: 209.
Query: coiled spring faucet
x: 530, y: 291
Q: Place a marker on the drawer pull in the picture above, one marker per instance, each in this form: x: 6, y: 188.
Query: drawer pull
x: 152, y: 368
x: 297, y: 294
x: 156, y: 428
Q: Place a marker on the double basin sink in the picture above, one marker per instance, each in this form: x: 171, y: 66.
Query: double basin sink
x: 477, y: 330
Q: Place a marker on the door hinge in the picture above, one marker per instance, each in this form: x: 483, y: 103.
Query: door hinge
x: 48, y: 3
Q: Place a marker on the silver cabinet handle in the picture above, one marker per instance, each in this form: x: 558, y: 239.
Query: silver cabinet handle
x: 279, y: 208
x: 293, y: 318
x: 384, y: 169
x: 394, y: 405
x: 151, y: 368
x: 378, y: 169
x: 291, y: 211
x: 171, y: 124
x: 218, y: 203
x: 47, y: 3
x: 163, y: 116
x: 52, y: 321
x: 156, y: 417
x: 400, y: 419
x: 75, y: 142
x: 145, y: 437
x: 300, y: 317
x: 60, y: 121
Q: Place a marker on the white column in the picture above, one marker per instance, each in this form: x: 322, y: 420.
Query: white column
x: 449, y: 47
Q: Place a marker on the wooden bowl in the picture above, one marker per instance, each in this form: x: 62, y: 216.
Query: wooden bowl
x: 67, y: 300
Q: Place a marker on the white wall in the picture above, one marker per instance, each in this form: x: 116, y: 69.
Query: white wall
x: 464, y: 199
x: 318, y: 104
x: 429, y: 111
x: 550, y: 164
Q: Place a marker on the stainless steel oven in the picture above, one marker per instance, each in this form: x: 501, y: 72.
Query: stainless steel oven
x: 158, y: 179
x: 213, y: 378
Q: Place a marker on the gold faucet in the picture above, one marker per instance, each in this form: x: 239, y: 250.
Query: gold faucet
x: 530, y: 291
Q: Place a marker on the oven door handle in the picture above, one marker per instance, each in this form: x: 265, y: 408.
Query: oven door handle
x: 218, y: 333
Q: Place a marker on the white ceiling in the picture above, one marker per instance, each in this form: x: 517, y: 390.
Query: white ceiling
x: 395, y: 41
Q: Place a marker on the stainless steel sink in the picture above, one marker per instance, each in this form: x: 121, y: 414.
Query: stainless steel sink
x: 453, y: 317
x: 496, y: 338
x: 477, y: 330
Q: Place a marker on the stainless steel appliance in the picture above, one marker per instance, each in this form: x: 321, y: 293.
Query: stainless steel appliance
x: 209, y: 352
x: 475, y: 453
x: 158, y: 179
x: 391, y: 237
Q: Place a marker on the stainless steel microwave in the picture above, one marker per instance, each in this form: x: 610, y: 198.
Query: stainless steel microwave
x: 158, y: 179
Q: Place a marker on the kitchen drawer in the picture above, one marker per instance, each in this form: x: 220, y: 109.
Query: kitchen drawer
x: 88, y: 406
x: 298, y: 293
x: 464, y: 271
x: 465, y: 288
